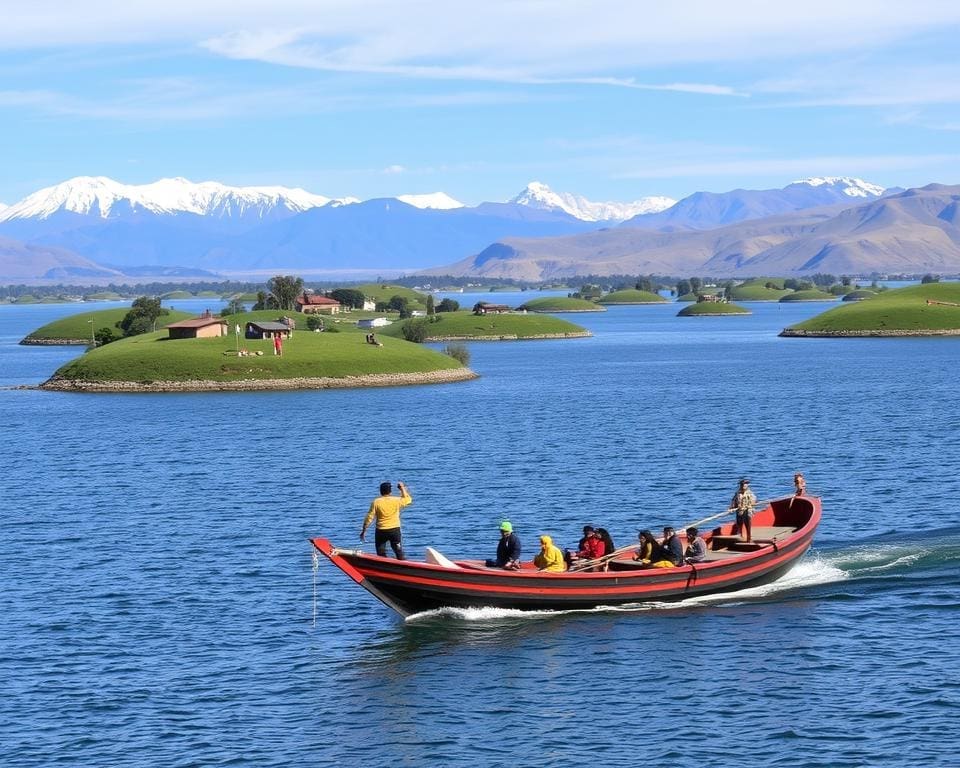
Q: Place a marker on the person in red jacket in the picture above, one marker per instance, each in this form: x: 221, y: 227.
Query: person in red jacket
x: 590, y: 547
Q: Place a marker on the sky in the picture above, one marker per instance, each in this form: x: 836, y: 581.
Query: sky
x: 363, y: 98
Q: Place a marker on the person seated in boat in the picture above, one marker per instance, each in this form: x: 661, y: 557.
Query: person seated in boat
x: 608, y: 546
x: 549, y: 558
x: 743, y: 504
x: 648, y: 548
x: 590, y: 547
x: 671, y: 550
x: 508, y: 549
x: 696, y: 551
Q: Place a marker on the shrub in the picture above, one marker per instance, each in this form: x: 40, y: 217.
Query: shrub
x: 458, y: 352
x: 415, y: 331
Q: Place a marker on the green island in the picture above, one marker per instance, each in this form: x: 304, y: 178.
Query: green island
x: 760, y: 289
x: 76, y: 329
x: 466, y: 326
x: 561, y: 304
x: 712, y: 309
x: 381, y: 292
x: 931, y: 309
x: 152, y: 362
x: 810, y: 295
x: 632, y: 296
x: 860, y: 294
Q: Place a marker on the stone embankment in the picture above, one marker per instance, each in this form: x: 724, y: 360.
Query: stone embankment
x: 55, y: 342
x: 258, y: 385
x: 512, y: 337
x: 800, y: 333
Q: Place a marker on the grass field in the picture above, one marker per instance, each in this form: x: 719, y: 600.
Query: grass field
x: 561, y: 304
x: 78, y: 326
x: 153, y: 357
x: 757, y: 291
x: 712, y: 308
x: 903, y: 309
x: 465, y: 324
x: 632, y: 296
x: 381, y: 292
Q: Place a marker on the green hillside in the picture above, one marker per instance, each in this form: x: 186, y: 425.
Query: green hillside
x: 632, y: 296
x: 466, y: 325
x: 561, y: 304
x: 76, y: 328
x: 757, y: 290
x: 811, y: 295
x: 384, y: 292
x: 711, y: 308
x: 896, y: 312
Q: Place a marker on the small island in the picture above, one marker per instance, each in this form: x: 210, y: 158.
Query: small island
x: 339, y: 356
x: 809, y: 295
x: 468, y: 326
x: 713, y: 309
x: 79, y: 329
x: 931, y: 309
x: 557, y: 304
x: 632, y: 296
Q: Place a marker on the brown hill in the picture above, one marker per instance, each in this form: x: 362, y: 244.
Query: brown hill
x: 21, y: 261
x: 912, y: 232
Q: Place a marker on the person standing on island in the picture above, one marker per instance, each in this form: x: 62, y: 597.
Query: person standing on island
x: 743, y: 503
x: 277, y: 344
x: 386, y: 509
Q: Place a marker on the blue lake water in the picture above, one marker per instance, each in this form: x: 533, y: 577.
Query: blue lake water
x: 160, y: 606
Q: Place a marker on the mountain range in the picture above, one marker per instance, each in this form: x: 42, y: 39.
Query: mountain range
x: 91, y: 225
x: 914, y: 231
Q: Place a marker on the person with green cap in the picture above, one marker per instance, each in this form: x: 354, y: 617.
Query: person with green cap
x: 508, y: 549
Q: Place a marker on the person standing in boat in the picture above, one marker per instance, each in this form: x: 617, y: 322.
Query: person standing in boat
x: 743, y: 504
x: 386, y: 509
x: 696, y: 551
x: 799, y: 484
x: 549, y: 558
x: 508, y: 549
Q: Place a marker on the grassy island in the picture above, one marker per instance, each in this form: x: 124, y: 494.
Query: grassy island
x: 811, y: 295
x: 76, y: 329
x: 466, y: 326
x: 861, y: 294
x: 712, y: 309
x: 154, y: 363
x: 901, y: 312
x: 632, y: 296
x: 760, y: 289
x: 381, y: 292
x: 561, y: 304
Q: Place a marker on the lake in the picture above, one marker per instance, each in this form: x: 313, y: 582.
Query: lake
x: 161, y: 606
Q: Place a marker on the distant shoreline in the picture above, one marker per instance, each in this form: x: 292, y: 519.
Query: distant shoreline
x: 799, y: 333
x: 513, y: 337
x: 449, y: 375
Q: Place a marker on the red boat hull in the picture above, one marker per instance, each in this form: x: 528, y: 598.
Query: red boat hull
x: 411, y: 587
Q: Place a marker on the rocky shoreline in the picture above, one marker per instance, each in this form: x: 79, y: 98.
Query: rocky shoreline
x: 799, y: 333
x: 512, y: 337
x: 28, y: 341
x: 60, y: 384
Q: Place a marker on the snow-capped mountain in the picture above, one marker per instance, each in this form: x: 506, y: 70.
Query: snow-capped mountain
x: 102, y: 197
x: 438, y: 201
x: 846, y: 185
x: 540, y: 196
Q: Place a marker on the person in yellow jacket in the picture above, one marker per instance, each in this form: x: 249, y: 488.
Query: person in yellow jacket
x: 550, y: 558
x: 386, y: 509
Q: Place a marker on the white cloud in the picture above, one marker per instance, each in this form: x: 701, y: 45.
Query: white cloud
x: 393, y: 170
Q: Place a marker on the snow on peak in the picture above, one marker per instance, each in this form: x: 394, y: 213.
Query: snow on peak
x: 99, y: 195
x: 848, y: 185
x: 538, y: 195
x: 440, y: 201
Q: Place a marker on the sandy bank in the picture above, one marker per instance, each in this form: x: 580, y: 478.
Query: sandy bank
x: 260, y: 385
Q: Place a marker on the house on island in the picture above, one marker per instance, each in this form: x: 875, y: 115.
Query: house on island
x: 486, y: 308
x: 267, y: 329
x: 369, y: 305
x: 314, y: 303
x: 374, y: 322
x: 203, y: 327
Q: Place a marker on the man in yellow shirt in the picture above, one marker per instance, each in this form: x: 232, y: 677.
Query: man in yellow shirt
x: 386, y: 508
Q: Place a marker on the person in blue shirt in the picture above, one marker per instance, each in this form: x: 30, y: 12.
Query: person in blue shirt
x: 508, y: 549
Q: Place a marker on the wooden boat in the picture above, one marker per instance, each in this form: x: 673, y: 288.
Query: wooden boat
x: 782, y: 532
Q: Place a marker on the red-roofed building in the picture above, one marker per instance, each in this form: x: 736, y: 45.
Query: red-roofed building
x: 205, y: 326
x: 314, y: 303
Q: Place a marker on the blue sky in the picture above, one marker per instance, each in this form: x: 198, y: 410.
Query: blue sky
x: 610, y: 100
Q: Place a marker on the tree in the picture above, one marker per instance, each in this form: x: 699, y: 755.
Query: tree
x: 431, y: 308
x: 104, y: 336
x: 683, y: 287
x: 645, y: 284
x: 728, y: 290
x: 791, y: 284
x: 415, y: 331
x: 399, y: 304
x: 235, y: 307
x: 284, y: 290
x: 928, y: 278
x: 695, y: 284
x: 448, y: 305
x: 314, y: 323
x: 263, y: 301
x: 349, y: 297
x: 142, y: 316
